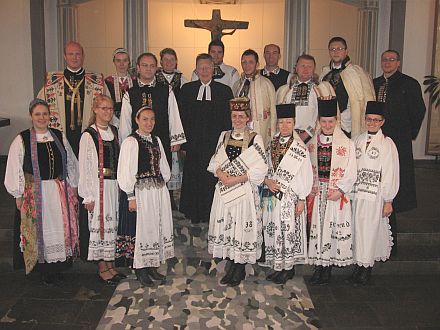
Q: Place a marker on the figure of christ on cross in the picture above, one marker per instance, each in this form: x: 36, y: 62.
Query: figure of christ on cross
x: 216, y: 25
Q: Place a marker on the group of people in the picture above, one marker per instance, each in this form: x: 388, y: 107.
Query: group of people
x: 266, y: 157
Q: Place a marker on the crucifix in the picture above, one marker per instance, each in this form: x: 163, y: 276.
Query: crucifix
x: 216, y: 25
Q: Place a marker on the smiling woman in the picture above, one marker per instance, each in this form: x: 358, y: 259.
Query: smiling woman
x: 40, y: 174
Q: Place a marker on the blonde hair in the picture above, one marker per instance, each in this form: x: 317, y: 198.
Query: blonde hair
x: 96, y: 102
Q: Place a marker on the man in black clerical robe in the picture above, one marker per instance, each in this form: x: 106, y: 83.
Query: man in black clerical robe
x: 205, y: 114
x: 404, y: 113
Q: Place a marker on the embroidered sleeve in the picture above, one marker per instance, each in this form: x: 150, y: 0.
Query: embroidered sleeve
x: 88, y: 169
x: 177, y: 135
x: 125, y: 119
x: 390, y: 171
x: 128, y: 165
x: 213, y: 163
x: 14, y: 176
x: 303, y: 182
x: 72, y: 164
x: 163, y: 165
x: 258, y: 171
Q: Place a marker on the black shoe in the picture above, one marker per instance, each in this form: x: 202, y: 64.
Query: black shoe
x: 284, y: 276
x: 364, y: 276
x: 143, y: 277
x: 316, y: 277
x: 273, y: 275
x: 110, y: 281
x: 227, y: 278
x: 155, y: 275
x: 238, y: 275
x: 325, y: 276
x: 354, y: 276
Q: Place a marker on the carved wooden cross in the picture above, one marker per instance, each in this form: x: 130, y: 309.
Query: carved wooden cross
x: 216, y: 25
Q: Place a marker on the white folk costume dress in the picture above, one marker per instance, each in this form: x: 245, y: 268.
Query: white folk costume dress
x: 303, y: 95
x: 377, y: 182
x: 235, y: 226
x: 48, y: 226
x: 262, y: 97
x: 334, y: 167
x: 353, y: 93
x: 285, y: 235
x: 223, y: 73
x: 142, y: 171
x: 102, y: 241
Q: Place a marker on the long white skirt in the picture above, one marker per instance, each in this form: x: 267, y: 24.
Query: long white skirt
x: 285, y: 236
x: 154, y: 228
x: 235, y: 231
x: 372, y: 233
x: 175, y: 182
x: 331, y: 232
x: 53, y: 225
x: 105, y: 249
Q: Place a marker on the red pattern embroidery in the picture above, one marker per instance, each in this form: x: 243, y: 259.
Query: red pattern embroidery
x: 341, y: 151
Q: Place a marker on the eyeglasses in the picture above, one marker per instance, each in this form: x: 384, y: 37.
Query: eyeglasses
x: 373, y: 120
x: 105, y: 108
x: 388, y: 59
x: 334, y: 50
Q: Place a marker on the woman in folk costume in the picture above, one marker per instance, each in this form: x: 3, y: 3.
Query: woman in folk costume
x: 376, y: 186
x: 334, y: 166
x: 235, y: 226
x: 289, y: 182
x: 143, y: 171
x: 98, y: 163
x: 40, y: 173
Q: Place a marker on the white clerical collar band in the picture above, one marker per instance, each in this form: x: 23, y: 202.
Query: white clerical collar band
x: 80, y: 70
x: 275, y: 71
x: 151, y: 84
x: 204, y: 87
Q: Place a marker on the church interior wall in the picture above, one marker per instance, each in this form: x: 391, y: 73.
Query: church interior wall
x: 329, y: 18
x: 418, y: 50
x: 100, y: 31
x: 166, y: 29
x: 16, y: 87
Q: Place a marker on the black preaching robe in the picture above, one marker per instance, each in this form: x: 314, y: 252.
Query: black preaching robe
x: 203, y: 121
x: 404, y: 113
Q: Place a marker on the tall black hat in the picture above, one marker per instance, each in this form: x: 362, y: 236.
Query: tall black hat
x: 286, y: 110
x: 327, y: 108
x: 375, y: 108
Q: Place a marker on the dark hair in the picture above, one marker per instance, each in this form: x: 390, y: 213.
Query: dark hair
x: 204, y: 56
x: 140, y: 57
x: 144, y: 108
x: 216, y: 42
x: 167, y: 51
x: 338, y: 39
x: 248, y: 52
x: 306, y: 57
x: 278, y: 47
x: 392, y: 51
x: 33, y: 104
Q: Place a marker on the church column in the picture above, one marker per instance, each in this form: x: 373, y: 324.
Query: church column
x: 296, y: 30
x: 67, y: 26
x: 367, y: 35
x: 136, y: 27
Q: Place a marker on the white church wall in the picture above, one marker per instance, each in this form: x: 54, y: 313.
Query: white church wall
x: 417, y: 55
x: 100, y: 32
x: 16, y: 87
x: 330, y: 18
